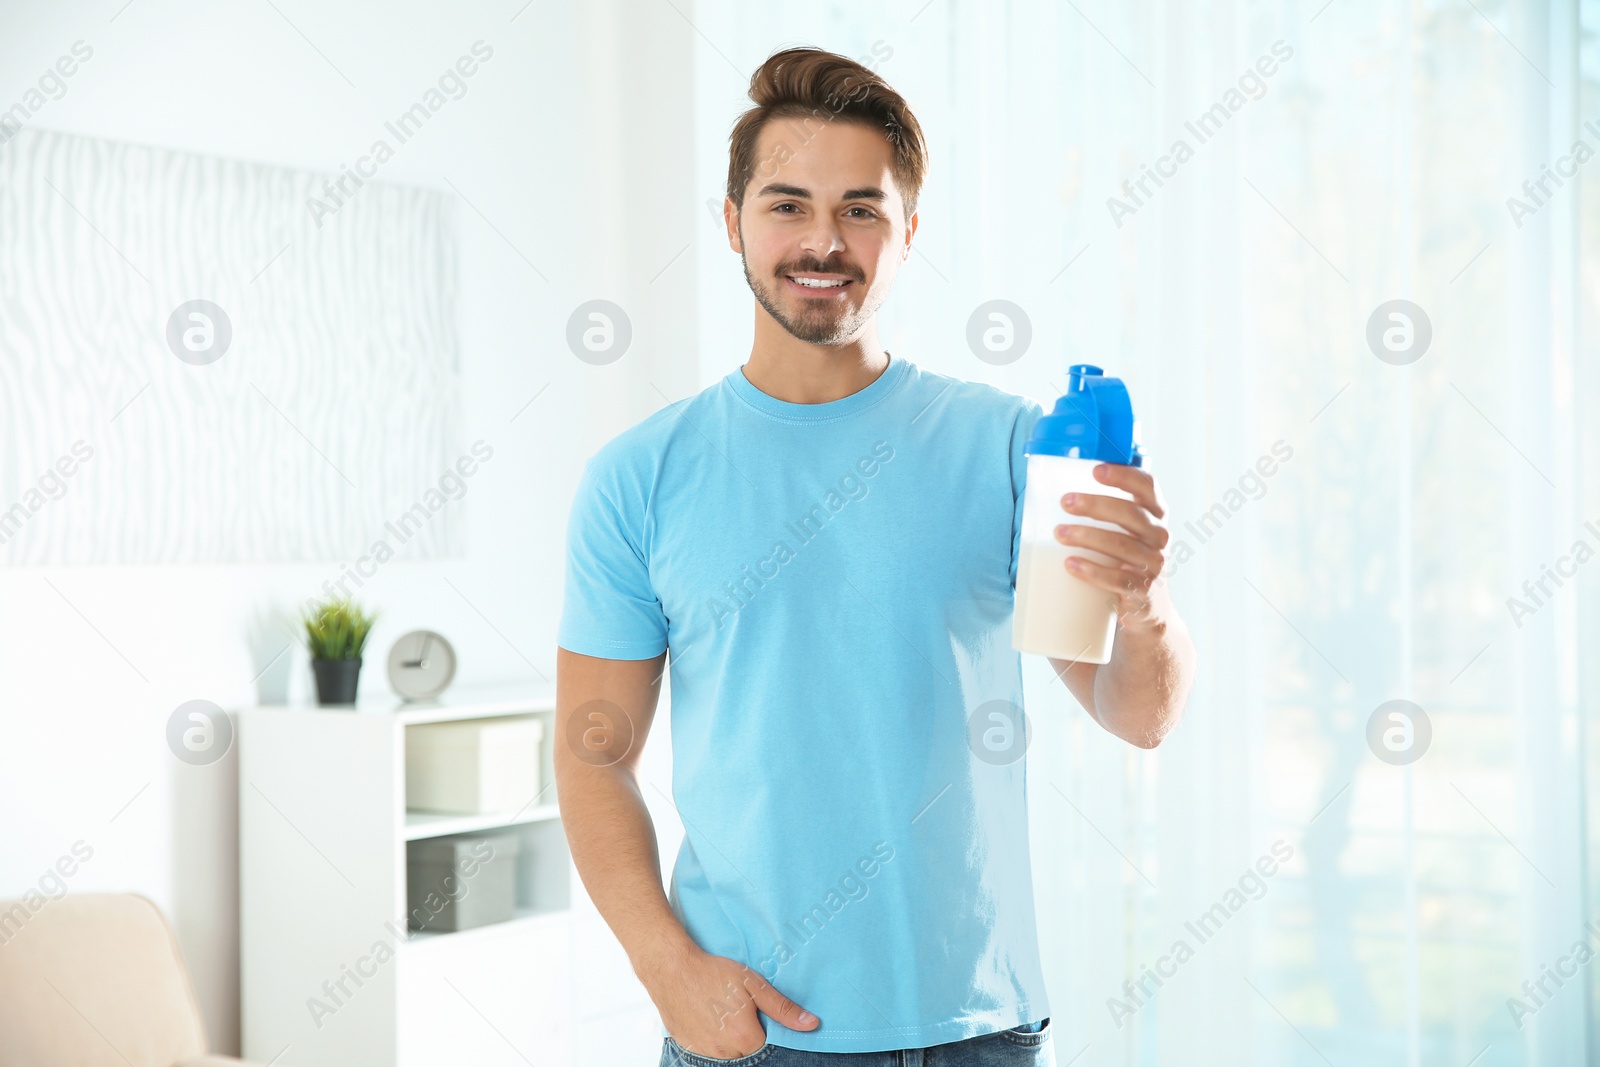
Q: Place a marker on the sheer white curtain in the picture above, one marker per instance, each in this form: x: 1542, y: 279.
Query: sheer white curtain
x: 1354, y: 526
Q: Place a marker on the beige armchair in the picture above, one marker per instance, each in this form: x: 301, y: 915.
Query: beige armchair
x: 96, y: 980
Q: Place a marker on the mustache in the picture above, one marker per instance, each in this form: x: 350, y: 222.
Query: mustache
x: 811, y: 266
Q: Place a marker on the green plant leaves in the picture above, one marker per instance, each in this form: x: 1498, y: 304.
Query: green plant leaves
x: 336, y: 629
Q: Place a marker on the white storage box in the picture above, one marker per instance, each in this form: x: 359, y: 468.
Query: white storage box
x: 459, y: 883
x: 473, y: 767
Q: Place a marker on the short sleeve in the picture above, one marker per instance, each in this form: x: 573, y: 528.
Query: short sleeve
x: 1023, y: 427
x: 609, y: 609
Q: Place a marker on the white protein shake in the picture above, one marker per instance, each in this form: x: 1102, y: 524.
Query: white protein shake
x: 1057, y: 613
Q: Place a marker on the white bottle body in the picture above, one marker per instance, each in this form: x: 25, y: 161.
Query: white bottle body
x: 1057, y: 613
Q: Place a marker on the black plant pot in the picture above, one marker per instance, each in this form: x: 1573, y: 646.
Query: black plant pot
x: 336, y: 680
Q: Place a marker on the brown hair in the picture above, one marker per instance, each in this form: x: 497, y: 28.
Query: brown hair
x: 819, y: 87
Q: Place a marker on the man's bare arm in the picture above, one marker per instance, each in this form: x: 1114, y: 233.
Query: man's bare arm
x: 709, y: 1004
x: 1139, y: 695
x: 604, y: 709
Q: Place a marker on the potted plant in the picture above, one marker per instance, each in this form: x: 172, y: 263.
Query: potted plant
x: 336, y: 630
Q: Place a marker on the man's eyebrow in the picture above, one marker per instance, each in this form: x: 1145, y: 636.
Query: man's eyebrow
x: 868, y: 192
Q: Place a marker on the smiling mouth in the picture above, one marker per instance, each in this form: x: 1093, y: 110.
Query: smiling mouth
x: 817, y: 286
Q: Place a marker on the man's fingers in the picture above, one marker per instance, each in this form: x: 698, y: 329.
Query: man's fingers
x: 1137, y: 481
x: 778, y: 1006
x: 1123, y: 548
x: 1134, y: 519
x: 729, y: 1047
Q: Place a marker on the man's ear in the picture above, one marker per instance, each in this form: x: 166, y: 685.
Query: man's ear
x: 730, y: 219
x: 911, y: 228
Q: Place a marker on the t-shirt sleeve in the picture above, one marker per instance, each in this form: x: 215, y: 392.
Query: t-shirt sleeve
x: 1030, y: 414
x: 610, y: 609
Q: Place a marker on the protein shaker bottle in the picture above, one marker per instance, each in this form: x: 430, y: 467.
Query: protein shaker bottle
x: 1057, y: 613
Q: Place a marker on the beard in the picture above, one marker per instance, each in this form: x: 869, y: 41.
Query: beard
x: 817, y: 322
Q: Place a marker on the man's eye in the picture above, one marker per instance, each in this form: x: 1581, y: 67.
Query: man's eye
x: 869, y: 212
x: 782, y: 206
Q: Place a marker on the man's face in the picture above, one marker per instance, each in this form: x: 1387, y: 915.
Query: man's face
x: 822, y: 206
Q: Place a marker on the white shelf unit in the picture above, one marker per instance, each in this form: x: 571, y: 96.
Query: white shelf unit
x: 329, y: 972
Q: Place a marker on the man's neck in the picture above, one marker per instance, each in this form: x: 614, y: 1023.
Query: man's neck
x: 797, y: 372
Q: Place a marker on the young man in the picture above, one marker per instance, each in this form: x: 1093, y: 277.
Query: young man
x: 826, y: 541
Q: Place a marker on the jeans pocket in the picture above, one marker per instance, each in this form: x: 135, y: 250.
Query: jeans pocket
x: 1032, y: 1038
x: 675, y: 1055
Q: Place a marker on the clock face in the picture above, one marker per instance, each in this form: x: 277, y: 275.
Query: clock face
x: 421, y: 664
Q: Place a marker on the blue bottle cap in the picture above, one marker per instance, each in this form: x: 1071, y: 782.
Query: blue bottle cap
x: 1094, y: 420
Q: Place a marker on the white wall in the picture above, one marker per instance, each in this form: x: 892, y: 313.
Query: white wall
x: 571, y: 141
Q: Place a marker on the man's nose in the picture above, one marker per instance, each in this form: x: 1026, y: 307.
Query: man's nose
x: 822, y: 238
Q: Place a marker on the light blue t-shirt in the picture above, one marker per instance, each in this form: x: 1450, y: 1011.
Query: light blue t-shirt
x: 835, y: 583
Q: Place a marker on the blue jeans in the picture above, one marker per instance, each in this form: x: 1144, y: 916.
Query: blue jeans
x: 1021, y: 1046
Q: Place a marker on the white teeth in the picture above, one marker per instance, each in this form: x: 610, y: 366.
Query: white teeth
x: 817, y: 283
